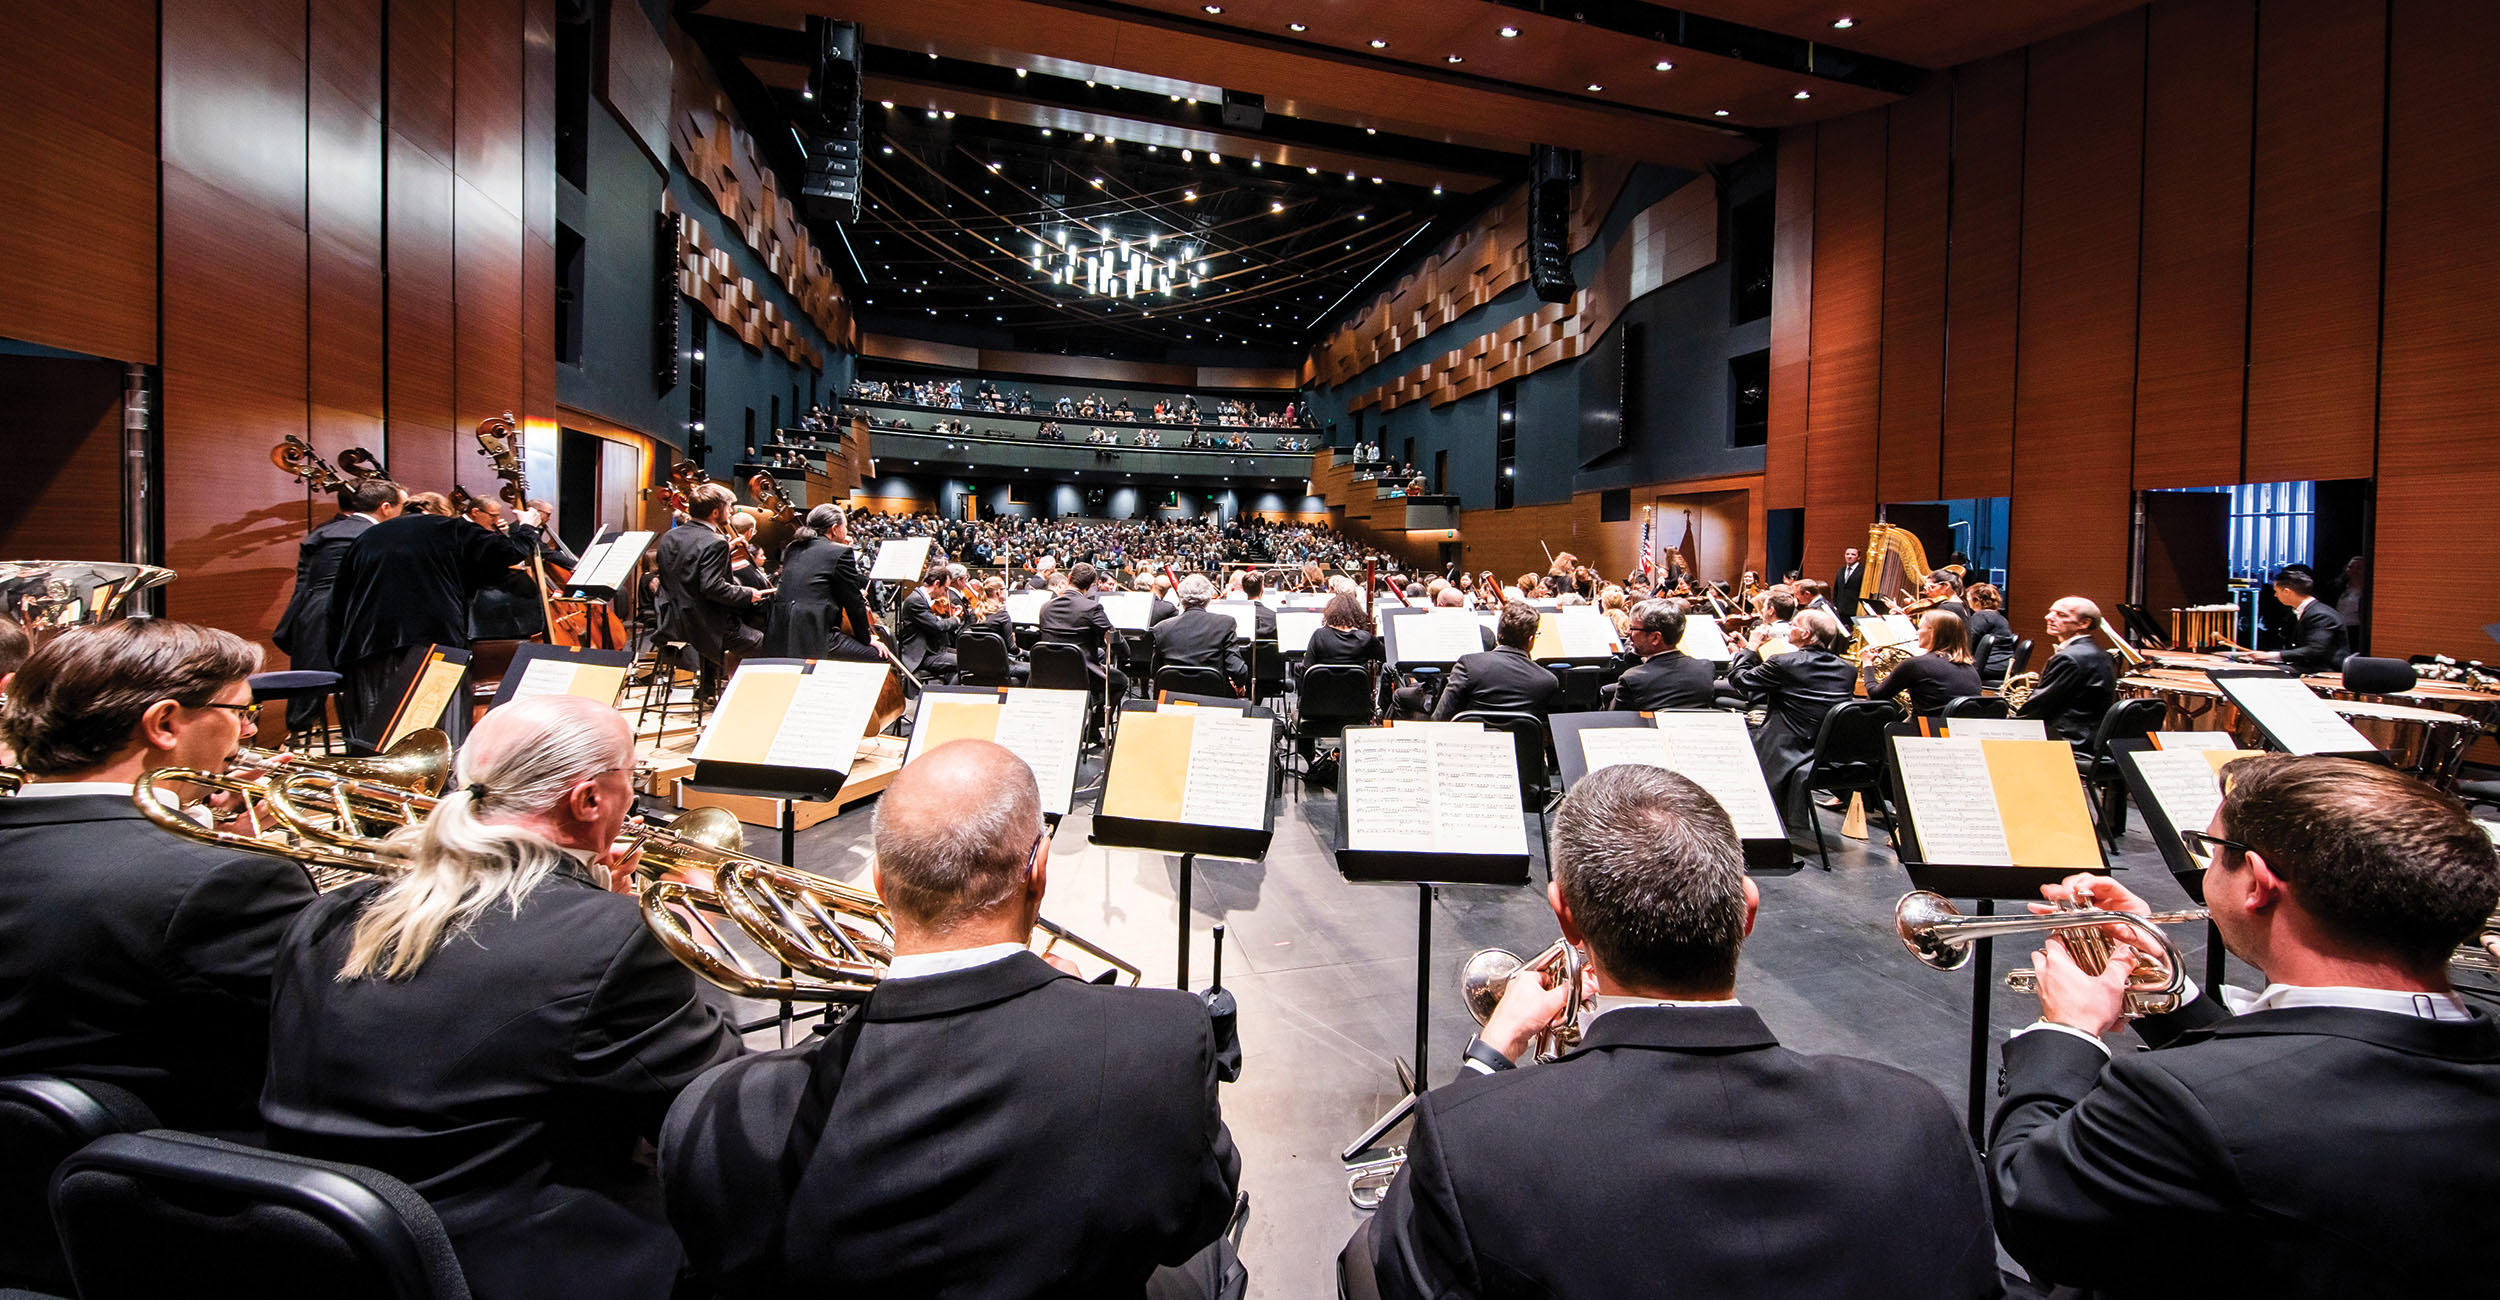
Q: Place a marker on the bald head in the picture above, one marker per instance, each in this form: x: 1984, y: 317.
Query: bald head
x: 954, y: 832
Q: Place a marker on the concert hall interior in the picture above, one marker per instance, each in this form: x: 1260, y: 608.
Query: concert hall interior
x: 706, y: 527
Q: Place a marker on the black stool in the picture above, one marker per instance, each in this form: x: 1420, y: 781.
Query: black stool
x: 659, y: 689
x: 300, y: 684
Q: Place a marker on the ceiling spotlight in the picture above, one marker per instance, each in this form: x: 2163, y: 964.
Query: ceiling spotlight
x: 807, y: 94
x: 933, y: 114
x: 1189, y: 195
x: 1275, y: 207
x: 1212, y: 156
x: 1349, y: 176
x: 1213, y: 9
x: 1665, y: 66
x: 949, y: 115
x: 1379, y: 44
x: 1360, y: 217
x: 1185, y: 154
x: 1371, y: 130
x: 1721, y: 112
x: 1510, y: 31
x: 1089, y: 135
x: 1805, y: 94
x: 1089, y: 83
x: 1255, y: 164
x: 1375, y: 180
x: 1045, y: 131
x: 889, y: 148
x: 1019, y: 72
x: 1452, y: 58
x: 1312, y: 170
x: 885, y: 103
x: 1844, y: 23
x: 1436, y: 189
x: 1297, y: 27
x: 1594, y: 87
x: 1098, y: 182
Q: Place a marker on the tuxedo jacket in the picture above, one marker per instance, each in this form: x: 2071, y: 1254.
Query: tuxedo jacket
x: 2319, y: 641
x: 1502, y: 679
x: 1669, y: 680
x: 1846, y: 586
x: 1197, y: 639
x: 304, y: 630
x: 1078, y: 619
x: 1795, y: 690
x: 700, y: 603
x: 2338, y: 1152
x: 132, y: 956
x: 821, y: 589
x: 408, y: 582
x: 1001, y: 1132
x: 2076, y: 688
x: 924, y: 634
x: 509, y: 1081
x: 1681, y: 1151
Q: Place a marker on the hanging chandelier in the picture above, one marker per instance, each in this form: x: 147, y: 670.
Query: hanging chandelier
x: 1118, y: 268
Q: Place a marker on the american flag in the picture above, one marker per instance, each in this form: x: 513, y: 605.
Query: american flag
x: 1649, y: 551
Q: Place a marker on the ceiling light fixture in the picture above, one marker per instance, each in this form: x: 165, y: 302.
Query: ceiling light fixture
x: 1379, y: 44
x: 1436, y: 189
x: 1371, y: 130
x: 1020, y: 72
x: 1805, y: 94
x: 1452, y: 58
x: 1297, y: 27
x: 1213, y: 9
x: 1665, y: 66
x: 1509, y: 32
x: 1594, y: 87
x: 1718, y: 112
x: 885, y: 103
x: 948, y: 114
x: 1844, y: 23
x: 1275, y: 207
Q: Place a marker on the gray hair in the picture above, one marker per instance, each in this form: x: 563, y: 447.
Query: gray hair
x: 1824, y: 627
x: 1651, y: 869
x: 1196, y: 591
x: 1664, y: 617
x: 954, y: 831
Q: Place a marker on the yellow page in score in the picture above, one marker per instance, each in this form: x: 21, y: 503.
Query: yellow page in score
x: 1149, y: 766
x: 956, y: 717
x: 2040, y: 798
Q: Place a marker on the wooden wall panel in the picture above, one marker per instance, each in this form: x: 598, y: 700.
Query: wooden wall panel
x: 421, y: 288
x: 538, y: 212
x: 488, y: 82
x: 1847, y: 345
x: 78, y: 175
x: 343, y: 225
x: 2313, y: 265
x: 424, y: 54
x: 1792, y: 319
x: 62, y: 494
x: 1917, y: 168
x: 2191, y: 350
x: 1983, y: 277
x: 2439, y: 413
x: 487, y: 365
x: 2075, y: 385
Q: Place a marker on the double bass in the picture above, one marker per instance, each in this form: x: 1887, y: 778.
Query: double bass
x: 569, y: 622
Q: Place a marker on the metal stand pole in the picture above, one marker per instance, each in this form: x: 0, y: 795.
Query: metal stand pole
x: 1188, y: 869
x: 1423, y: 987
x: 1983, y: 967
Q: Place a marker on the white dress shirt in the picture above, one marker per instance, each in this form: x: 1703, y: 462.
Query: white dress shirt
x: 915, y: 965
x: 63, y: 789
x: 2427, y: 1006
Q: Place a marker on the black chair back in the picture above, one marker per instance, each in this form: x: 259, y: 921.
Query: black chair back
x: 1195, y: 681
x: 1267, y: 670
x: 1527, y: 732
x: 1332, y: 697
x: 1580, y: 685
x: 1059, y: 666
x: 2126, y: 720
x: 981, y: 659
x: 1982, y: 648
x: 149, y: 1215
x: 1849, y: 750
x: 2019, y: 661
x: 43, y: 1120
x: 1974, y: 706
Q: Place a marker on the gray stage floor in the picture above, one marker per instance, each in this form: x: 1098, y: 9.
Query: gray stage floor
x: 1324, y: 971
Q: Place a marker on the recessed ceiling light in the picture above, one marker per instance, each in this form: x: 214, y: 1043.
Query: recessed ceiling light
x: 1019, y: 72
x: 1275, y: 207
x: 1098, y: 182
x: 1665, y: 66
x: 889, y: 148
x: 1805, y: 94
x: 949, y: 115
x: 1254, y: 162
x: 1089, y: 135
x: 1844, y: 23
x: 1380, y: 44
x: 1312, y: 170
x: 885, y: 103
x: 1191, y: 195
x: 1045, y: 130
x: 1510, y: 31
x: 1594, y: 87
x: 1719, y: 112
x: 1452, y: 58
x: 1436, y: 189
x: 1371, y: 130
x: 1213, y: 9
x: 933, y: 114
x: 1296, y: 27
x: 1375, y: 180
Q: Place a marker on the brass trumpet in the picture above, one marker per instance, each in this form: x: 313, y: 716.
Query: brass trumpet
x: 1938, y: 934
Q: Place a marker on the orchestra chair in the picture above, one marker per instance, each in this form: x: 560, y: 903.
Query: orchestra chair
x: 2016, y: 664
x: 214, y: 1218
x: 1181, y: 680
x: 1136, y: 650
x: 1849, y: 759
x: 1973, y: 706
x: 1529, y: 738
x: 488, y: 662
x: 1328, y: 699
x: 2124, y: 720
x: 1582, y: 686
x: 1058, y: 666
x: 1267, y: 671
x: 659, y: 686
x: 43, y: 1121
x: 287, y: 686
x: 1981, y: 648
x: 981, y: 660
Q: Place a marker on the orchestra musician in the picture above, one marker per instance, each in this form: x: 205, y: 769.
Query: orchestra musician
x: 2320, y: 643
x: 1665, y: 677
x: 494, y: 1027
x: 2340, y: 1134
x: 1987, y: 619
x: 406, y: 583
x: 1679, y: 1147
x: 1076, y: 617
x: 550, y: 546
x: 1262, y: 619
x: 508, y: 608
x: 131, y: 956
x: 2078, y: 685
x: 986, y: 1124
x: 1942, y: 589
x: 303, y: 632
x: 1848, y: 585
x: 1940, y: 673
x: 819, y: 610
x: 1503, y: 678
x: 1197, y: 638
x: 929, y: 624
x: 701, y: 606
x: 1795, y: 690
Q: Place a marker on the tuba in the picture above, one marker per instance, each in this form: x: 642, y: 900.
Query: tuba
x: 1938, y: 934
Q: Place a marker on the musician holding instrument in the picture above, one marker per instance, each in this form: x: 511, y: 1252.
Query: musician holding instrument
x: 493, y: 1026
x: 303, y: 632
x: 1987, y: 619
x: 408, y: 582
x: 2320, y: 642
x: 700, y: 604
x: 1794, y: 690
x: 820, y: 606
x: 2078, y: 685
x: 1940, y: 673
x: 929, y: 624
x: 130, y: 956
x: 1665, y: 677
x: 2340, y: 1134
x: 1679, y: 1148
x: 986, y: 1124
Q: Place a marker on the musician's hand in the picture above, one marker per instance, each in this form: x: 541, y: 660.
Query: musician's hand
x: 2095, y: 1004
x: 1060, y: 963
x: 762, y: 594
x: 1527, y: 1009
x: 525, y: 517
x: 2086, y: 889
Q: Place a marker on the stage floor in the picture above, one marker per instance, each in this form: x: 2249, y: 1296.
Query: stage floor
x: 1324, y: 971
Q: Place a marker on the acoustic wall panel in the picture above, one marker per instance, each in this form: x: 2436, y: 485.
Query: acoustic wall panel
x: 1792, y: 319
x: 1847, y: 356
x: 1983, y: 278
x: 1917, y: 169
x: 78, y: 125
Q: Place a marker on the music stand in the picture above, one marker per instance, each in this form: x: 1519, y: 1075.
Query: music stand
x: 2184, y: 866
x: 567, y: 660
x: 1761, y: 853
x: 1191, y: 840
x: 429, y: 689
x: 604, y: 567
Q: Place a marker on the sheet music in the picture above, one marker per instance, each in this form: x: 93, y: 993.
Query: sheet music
x: 615, y: 565
x: 1705, y: 639
x: 1434, y: 788
x: 1889, y: 629
x: 1025, y: 607
x: 2183, y: 782
x: 828, y: 716
x: 1130, y: 610
x: 2294, y: 717
x: 1997, y: 728
x: 1586, y: 633
x: 2195, y: 740
x: 1437, y: 636
x: 730, y: 712
x: 1045, y: 728
x: 1245, y: 616
x: 901, y: 559
x: 544, y: 677
x: 1294, y: 628
x: 1953, y: 801
x: 1384, y: 769
x: 1604, y: 747
x: 1475, y: 793
x: 1229, y: 754
x: 1715, y: 752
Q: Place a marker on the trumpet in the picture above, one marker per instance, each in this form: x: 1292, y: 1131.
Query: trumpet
x: 1938, y: 934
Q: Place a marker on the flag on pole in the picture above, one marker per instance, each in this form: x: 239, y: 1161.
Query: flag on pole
x: 1649, y: 548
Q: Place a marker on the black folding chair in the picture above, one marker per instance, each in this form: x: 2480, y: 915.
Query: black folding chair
x: 981, y: 660
x: 1328, y: 699
x: 2021, y: 656
x: 43, y: 1120
x: 1267, y: 671
x: 1184, y: 680
x: 2098, y: 766
x: 1983, y: 648
x: 149, y: 1215
x: 1528, y: 735
x: 1849, y: 759
x: 1974, y: 706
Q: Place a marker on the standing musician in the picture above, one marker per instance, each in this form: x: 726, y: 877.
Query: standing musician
x: 986, y: 1124
x: 303, y: 632
x: 494, y: 1027
x: 1665, y: 677
x: 129, y: 955
x: 1940, y: 673
x: 509, y: 608
x: 2341, y: 1132
x: 701, y: 606
x: 2320, y: 642
x: 1847, y: 585
x: 820, y: 608
x: 1795, y: 690
x: 929, y: 624
x: 2078, y: 685
x: 1679, y: 1149
x: 408, y: 582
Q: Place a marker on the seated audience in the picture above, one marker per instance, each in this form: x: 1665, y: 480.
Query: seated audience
x: 1940, y: 672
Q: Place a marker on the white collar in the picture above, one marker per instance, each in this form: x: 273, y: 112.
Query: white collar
x: 2084, y: 635
x: 359, y: 514
x: 64, y: 789
x: 2426, y: 1006
x: 2305, y: 602
x: 1617, y: 1002
x: 913, y: 965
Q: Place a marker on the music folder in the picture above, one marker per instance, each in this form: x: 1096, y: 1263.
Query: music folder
x: 1432, y: 803
x: 1294, y: 628
x: 901, y: 559
x: 1580, y: 633
x: 1709, y: 747
x: 2291, y: 715
x: 2175, y: 790
x: 541, y: 669
x: 428, y: 684
x: 789, y: 728
x: 1990, y: 818
x: 1188, y: 779
x: 1430, y: 636
x: 1045, y: 728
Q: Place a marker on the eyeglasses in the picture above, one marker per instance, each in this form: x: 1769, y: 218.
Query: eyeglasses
x: 2208, y: 846
x: 246, y: 713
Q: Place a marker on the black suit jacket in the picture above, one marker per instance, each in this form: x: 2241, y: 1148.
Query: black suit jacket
x: 1795, y: 690
x: 1004, y: 1131
x: 1197, y: 639
x: 1846, y: 586
x: 2339, y: 1152
x: 2319, y: 644
x: 821, y: 588
x: 1077, y: 619
x: 1160, y: 610
x: 1682, y: 1151
x: 700, y: 603
x: 132, y: 956
x: 304, y: 630
x: 408, y: 581
x: 1669, y: 680
x: 925, y: 634
x: 1503, y: 679
x: 1933, y: 682
x: 508, y: 1080
x: 2076, y: 688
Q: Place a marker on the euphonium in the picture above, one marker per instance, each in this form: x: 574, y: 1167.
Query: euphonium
x: 1938, y: 934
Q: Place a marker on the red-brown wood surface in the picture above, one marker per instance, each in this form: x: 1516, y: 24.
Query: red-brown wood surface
x: 1910, y: 429
x: 1984, y: 278
x: 61, y: 498
x: 1848, y: 328
x: 343, y: 223
x: 78, y: 176
x: 421, y: 288
x: 1792, y: 320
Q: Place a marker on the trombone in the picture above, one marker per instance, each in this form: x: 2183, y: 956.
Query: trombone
x: 1938, y: 934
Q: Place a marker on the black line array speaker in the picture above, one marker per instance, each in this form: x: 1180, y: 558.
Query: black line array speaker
x: 832, y: 123
x: 1244, y: 111
x: 667, y: 300
x: 1551, y: 172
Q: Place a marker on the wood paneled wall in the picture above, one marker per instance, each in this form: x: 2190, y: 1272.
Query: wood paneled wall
x: 62, y: 496
x: 78, y: 137
x: 2206, y: 242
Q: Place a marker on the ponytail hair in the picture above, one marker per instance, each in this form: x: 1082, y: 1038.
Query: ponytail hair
x: 470, y: 852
